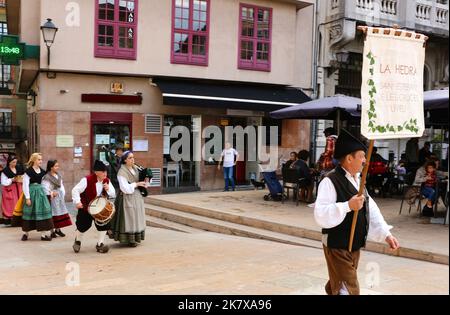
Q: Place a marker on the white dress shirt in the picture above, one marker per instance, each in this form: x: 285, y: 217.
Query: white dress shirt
x: 81, y: 187
x: 328, y: 213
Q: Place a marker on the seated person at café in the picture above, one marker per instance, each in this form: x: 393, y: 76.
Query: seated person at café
x: 401, y: 170
x: 427, y: 177
x: 376, y: 157
x: 307, y: 182
x: 291, y: 161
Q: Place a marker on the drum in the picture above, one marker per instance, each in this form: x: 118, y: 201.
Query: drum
x: 102, y: 210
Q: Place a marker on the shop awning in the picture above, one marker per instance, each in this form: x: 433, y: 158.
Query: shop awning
x: 228, y: 95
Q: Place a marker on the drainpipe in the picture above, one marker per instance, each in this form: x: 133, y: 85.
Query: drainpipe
x: 313, y: 126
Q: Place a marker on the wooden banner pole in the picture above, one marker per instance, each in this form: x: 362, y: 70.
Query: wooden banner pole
x: 362, y: 185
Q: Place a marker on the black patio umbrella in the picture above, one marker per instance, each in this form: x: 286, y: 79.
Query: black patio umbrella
x: 337, y: 108
x: 435, y: 99
x: 330, y: 108
x: 436, y: 107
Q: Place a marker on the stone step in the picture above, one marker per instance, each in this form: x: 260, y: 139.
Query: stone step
x: 169, y: 225
x: 224, y: 227
x: 290, y: 230
x: 238, y: 219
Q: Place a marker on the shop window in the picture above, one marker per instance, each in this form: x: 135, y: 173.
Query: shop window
x: 268, y: 122
x: 255, y: 36
x: 5, y: 70
x: 116, y: 29
x: 5, y: 124
x: 190, y: 31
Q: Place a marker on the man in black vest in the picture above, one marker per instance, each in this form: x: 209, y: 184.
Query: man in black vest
x: 337, y: 199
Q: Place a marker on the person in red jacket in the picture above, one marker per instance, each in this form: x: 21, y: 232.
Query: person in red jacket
x: 89, y: 188
x: 326, y: 162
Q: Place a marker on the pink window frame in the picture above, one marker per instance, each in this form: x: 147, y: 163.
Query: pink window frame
x: 189, y: 58
x: 116, y: 52
x: 254, y: 64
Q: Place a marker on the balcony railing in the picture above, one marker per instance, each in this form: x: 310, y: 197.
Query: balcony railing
x: 429, y: 16
x: 367, y: 5
x: 12, y: 133
x: 423, y: 11
x: 334, y: 4
x: 389, y: 7
x: 442, y: 14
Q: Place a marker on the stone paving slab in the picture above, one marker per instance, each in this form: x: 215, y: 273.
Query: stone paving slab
x: 170, y: 262
x: 412, y: 231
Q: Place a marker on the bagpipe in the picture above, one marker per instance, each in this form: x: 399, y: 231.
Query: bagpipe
x: 144, y: 173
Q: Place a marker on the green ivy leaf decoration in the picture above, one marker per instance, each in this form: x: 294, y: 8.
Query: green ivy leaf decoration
x: 410, y: 125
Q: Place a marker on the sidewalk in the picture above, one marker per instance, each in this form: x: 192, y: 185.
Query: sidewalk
x: 412, y: 231
x: 170, y: 262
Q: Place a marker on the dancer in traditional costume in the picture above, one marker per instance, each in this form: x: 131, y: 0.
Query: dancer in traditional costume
x: 337, y: 199
x: 37, y: 212
x: 89, y: 188
x: 54, y: 189
x: 11, y: 180
x: 129, y: 222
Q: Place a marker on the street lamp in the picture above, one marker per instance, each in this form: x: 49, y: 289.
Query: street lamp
x: 11, y: 85
x: 342, y: 57
x: 49, y: 32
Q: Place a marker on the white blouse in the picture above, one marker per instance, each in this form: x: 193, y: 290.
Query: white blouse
x: 26, y: 184
x: 5, y: 180
x: 125, y: 186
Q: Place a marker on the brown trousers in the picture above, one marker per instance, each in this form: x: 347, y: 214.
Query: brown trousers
x: 342, y: 266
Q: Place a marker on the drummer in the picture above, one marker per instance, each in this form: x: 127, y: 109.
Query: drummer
x: 89, y: 188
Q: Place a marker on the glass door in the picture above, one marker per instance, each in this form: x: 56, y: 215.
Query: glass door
x: 108, y: 137
x: 181, y: 175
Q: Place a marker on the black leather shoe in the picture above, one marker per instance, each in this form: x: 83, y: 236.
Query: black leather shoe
x: 133, y: 244
x: 60, y: 233
x: 427, y: 212
x: 102, y: 248
x: 24, y: 237
x: 46, y: 238
x: 76, y: 246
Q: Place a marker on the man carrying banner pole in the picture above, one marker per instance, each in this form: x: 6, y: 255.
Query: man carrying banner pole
x: 337, y: 203
x: 392, y: 107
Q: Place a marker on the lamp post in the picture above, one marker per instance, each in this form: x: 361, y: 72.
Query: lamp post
x: 343, y: 57
x: 49, y: 32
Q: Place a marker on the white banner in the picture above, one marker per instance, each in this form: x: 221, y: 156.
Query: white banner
x: 392, y: 84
